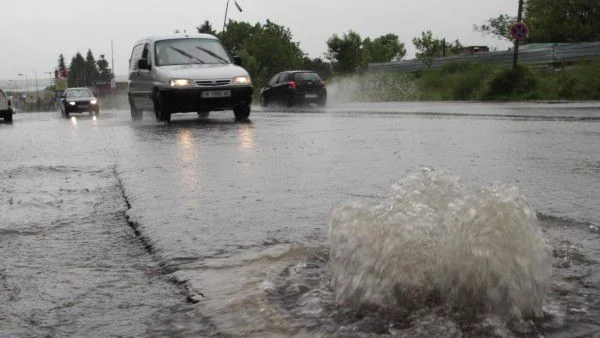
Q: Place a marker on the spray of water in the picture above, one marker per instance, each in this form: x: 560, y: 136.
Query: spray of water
x: 373, y: 87
x: 432, y: 240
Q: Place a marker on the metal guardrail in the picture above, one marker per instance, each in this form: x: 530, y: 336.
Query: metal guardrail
x: 546, y: 54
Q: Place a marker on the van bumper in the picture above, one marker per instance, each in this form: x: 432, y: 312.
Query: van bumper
x: 181, y: 100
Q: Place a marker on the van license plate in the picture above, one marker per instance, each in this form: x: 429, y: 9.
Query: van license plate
x: 216, y: 93
x: 310, y: 96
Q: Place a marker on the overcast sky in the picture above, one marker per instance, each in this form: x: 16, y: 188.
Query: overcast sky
x: 34, y: 32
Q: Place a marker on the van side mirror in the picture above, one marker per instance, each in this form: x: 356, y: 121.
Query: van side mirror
x: 143, y: 64
x: 237, y: 60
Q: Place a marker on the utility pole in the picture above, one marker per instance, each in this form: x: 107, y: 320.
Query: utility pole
x: 37, y: 92
x: 516, y: 48
x: 225, y: 20
x: 227, y: 9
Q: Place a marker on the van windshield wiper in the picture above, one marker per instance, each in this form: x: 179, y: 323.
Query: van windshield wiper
x: 213, y: 54
x: 184, y: 53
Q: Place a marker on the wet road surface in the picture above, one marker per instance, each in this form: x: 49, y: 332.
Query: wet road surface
x: 211, y: 227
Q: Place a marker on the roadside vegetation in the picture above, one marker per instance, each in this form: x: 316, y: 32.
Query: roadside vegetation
x: 473, y: 82
x: 464, y: 81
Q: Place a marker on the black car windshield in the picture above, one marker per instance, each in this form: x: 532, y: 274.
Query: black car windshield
x: 77, y: 93
x: 190, y: 51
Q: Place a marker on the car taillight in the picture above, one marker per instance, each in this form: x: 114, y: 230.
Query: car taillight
x: 292, y: 85
x: 322, y: 84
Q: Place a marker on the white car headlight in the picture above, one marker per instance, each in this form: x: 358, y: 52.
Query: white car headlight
x: 94, y: 101
x: 181, y: 82
x: 72, y: 103
x: 241, y: 80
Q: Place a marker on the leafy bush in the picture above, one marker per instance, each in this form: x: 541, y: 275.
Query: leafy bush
x: 507, y: 84
x: 454, y: 81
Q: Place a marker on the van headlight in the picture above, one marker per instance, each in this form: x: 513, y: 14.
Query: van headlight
x: 72, y: 103
x: 94, y: 101
x: 241, y: 80
x: 180, y: 82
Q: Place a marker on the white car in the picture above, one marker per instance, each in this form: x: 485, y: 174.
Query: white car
x: 6, y: 111
x: 180, y: 74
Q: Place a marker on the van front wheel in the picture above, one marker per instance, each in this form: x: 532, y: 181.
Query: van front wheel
x: 159, y: 108
x: 241, y: 113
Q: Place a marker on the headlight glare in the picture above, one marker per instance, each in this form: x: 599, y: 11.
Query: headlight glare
x: 180, y: 82
x: 94, y: 101
x: 241, y: 80
x: 72, y: 103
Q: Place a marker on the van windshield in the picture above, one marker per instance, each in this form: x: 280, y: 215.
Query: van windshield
x: 190, y: 51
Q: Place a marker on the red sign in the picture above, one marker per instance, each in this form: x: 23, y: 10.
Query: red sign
x: 519, y: 31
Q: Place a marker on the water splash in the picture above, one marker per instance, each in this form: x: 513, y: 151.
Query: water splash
x: 373, y: 87
x: 434, y: 241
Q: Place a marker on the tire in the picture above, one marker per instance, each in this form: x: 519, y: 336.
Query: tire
x: 262, y: 100
x: 322, y: 101
x: 291, y: 101
x: 159, y: 108
x: 96, y: 112
x: 241, y: 113
x: 203, y: 114
x: 8, y: 118
x: 136, y: 115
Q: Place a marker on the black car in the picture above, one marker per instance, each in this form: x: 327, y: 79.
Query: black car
x: 294, y: 87
x: 79, y: 100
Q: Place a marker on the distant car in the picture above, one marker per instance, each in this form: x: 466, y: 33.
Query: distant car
x: 181, y: 74
x: 79, y: 100
x: 6, y: 111
x: 290, y: 88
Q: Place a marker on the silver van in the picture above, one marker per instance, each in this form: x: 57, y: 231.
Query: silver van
x: 181, y: 74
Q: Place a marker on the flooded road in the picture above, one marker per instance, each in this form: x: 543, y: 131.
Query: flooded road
x: 208, y: 227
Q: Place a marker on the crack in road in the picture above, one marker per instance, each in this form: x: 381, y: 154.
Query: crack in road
x: 188, y: 292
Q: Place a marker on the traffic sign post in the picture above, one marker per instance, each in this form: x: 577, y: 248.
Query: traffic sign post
x: 520, y: 31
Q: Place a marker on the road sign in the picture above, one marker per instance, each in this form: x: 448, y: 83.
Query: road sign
x: 519, y: 31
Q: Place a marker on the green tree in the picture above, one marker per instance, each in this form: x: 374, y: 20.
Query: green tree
x: 206, y: 28
x: 272, y: 46
x: 498, y: 26
x: 345, y: 53
x: 264, y: 48
x: 104, y: 73
x: 235, y: 37
x: 384, y: 49
x: 77, y: 67
x: 429, y: 47
x: 91, y: 70
x: 61, y: 62
x: 563, y: 20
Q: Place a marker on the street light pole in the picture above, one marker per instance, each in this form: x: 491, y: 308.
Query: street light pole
x: 26, y: 82
x: 27, y: 85
x: 37, y: 91
x: 516, y: 48
x: 227, y: 9
x: 225, y: 20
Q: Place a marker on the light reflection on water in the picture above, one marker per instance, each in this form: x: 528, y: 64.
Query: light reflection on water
x: 187, y: 158
x: 246, y: 137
